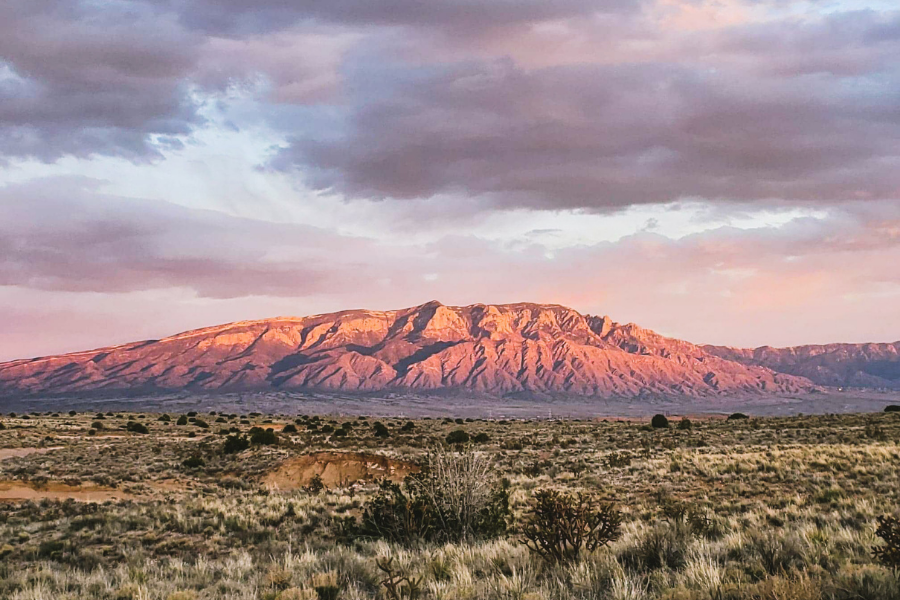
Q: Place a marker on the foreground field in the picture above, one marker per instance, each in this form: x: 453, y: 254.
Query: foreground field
x: 138, y: 506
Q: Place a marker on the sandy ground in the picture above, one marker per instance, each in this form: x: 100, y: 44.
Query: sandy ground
x: 19, y: 490
x: 17, y: 452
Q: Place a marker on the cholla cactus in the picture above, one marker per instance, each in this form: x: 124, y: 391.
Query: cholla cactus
x: 889, y: 531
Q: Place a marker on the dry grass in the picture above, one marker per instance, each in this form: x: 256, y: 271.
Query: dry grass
x: 782, y: 509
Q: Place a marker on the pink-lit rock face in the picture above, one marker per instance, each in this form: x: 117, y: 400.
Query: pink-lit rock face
x: 495, y: 350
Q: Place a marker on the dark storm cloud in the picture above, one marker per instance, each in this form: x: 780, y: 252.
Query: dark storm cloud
x: 526, y: 103
x: 90, y: 78
x: 241, y: 17
x: 803, y: 113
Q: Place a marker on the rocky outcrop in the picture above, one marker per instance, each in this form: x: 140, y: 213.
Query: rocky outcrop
x: 529, y: 349
x: 835, y: 365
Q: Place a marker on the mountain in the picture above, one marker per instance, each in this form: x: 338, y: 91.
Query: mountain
x: 835, y: 365
x: 528, y: 349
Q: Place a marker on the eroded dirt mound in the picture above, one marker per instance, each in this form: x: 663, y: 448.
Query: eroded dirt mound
x: 337, y: 469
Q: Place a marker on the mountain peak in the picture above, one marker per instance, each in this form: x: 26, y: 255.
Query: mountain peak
x: 496, y: 349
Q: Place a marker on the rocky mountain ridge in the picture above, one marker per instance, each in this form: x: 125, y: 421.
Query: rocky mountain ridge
x: 498, y: 350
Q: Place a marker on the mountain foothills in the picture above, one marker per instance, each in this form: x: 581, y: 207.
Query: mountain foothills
x: 514, y: 349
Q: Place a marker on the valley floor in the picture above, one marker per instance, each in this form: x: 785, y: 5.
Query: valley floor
x: 129, y: 506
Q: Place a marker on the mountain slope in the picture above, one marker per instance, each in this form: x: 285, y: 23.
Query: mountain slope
x: 836, y: 365
x: 496, y: 350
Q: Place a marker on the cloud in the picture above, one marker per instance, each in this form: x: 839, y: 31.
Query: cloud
x: 84, y: 79
x: 811, y: 280
x: 800, y: 112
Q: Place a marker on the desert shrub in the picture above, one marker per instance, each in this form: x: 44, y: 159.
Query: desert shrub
x: 394, y: 515
x: 408, y: 426
x: 136, y: 427
x: 193, y: 462
x: 96, y: 425
x: 380, y: 430
x: 182, y: 420
x: 235, y: 443
x: 315, y: 484
x: 665, y: 545
x: 659, y: 422
x: 72, y: 413
x: 892, y: 408
x: 396, y: 585
x: 457, y: 436
x: 193, y: 413
x: 328, y: 429
x: 737, y: 416
x: 289, y: 428
x: 263, y: 437
x: 164, y: 418
x: 481, y: 438
x: 889, y: 531
x: 558, y: 526
x: 617, y: 460
x: 453, y: 498
x: 201, y: 424
x: 685, y: 424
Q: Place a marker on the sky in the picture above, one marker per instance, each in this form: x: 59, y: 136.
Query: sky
x: 723, y: 171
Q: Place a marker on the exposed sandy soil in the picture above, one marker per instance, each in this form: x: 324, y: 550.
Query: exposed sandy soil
x: 17, y: 452
x: 336, y: 469
x: 19, y: 490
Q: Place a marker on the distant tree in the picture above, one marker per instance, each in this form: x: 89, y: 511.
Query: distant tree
x: 737, y: 416
x: 182, y: 420
x: 235, y: 443
x: 136, y: 427
x: 380, y: 430
x: 457, y: 436
x: 263, y: 437
x: 685, y: 424
x: 892, y: 408
x: 659, y: 422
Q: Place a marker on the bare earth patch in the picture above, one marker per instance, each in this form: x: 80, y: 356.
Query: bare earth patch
x: 337, y: 469
x: 19, y: 452
x: 20, y: 490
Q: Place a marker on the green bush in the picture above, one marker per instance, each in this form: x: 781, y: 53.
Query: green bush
x: 201, y: 424
x: 457, y: 436
x: 263, y: 437
x: 194, y: 462
x: 164, y: 418
x: 136, y: 427
x: 892, y: 408
x: 182, y: 420
x: 659, y: 422
x: 737, y: 416
x: 235, y: 443
x: 380, y: 430
x: 289, y: 429
x: 685, y: 424
x: 481, y: 438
